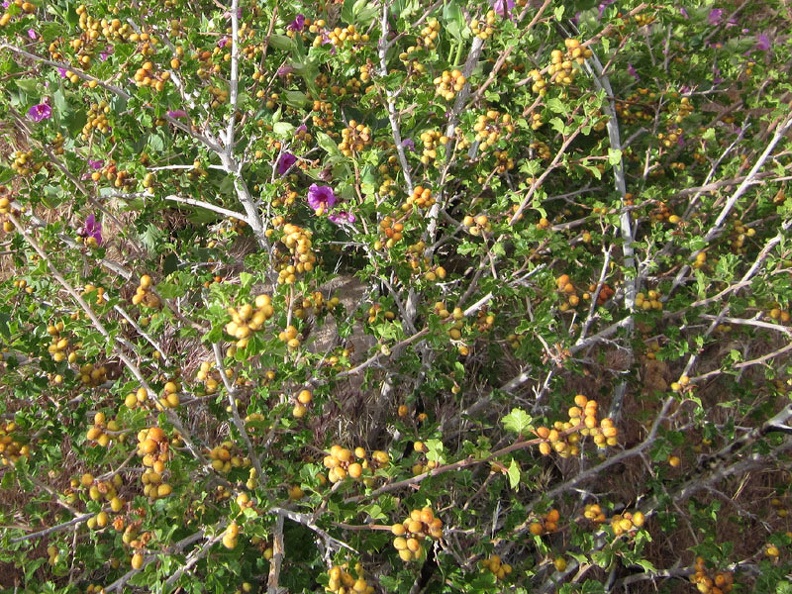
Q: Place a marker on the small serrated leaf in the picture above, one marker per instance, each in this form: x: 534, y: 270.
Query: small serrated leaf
x: 514, y: 474
x: 517, y: 421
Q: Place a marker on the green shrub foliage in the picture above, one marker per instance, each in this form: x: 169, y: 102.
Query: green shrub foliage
x: 394, y: 296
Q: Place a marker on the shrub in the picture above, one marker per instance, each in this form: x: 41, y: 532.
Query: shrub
x: 367, y: 296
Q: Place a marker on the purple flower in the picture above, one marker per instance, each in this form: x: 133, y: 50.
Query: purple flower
x: 298, y: 24
x: 223, y: 41
x: 715, y: 16
x: 342, y: 217
x: 62, y: 72
x: 39, y: 112
x: 92, y: 229
x: 632, y: 72
x: 409, y: 144
x: 285, y: 163
x: 177, y: 113
x: 762, y: 42
x: 320, y: 198
x: 32, y: 34
x: 95, y: 164
x: 684, y: 13
x: 503, y: 7
x: 285, y: 70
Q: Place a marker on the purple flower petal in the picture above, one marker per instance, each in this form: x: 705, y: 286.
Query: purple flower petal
x: 342, y: 217
x: 285, y: 163
x: 177, y: 113
x: 92, y: 228
x: 320, y: 198
x: 632, y: 72
x: 32, y: 34
x: 39, y: 112
x: 409, y: 144
x: 715, y: 16
x: 762, y: 42
x: 298, y: 24
x: 503, y: 8
x: 98, y: 164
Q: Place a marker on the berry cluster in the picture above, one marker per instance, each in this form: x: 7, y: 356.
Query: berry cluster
x: 449, y: 84
x: 341, y: 581
x: 291, y: 336
x: 393, y: 231
x: 145, y: 76
x: 248, y: 319
x: 354, y: 138
x: 421, y: 198
x: 411, y: 533
x: 11, y: 448
x: 139, y: 397
x: 59, y: 346
x: 594, y: 513
x: 298, y: 241
x: 302, y: 401
x: 486, y: 27
x: 170, y: 396
x: 430, y: 139
x: 489, y: 127
x: 230, y: 535
x: 96, y: 120
x: 649, y: 300
x: 739, y: 233
x: 144, y: 293
x: 429, y: 33
x: 566, y: 288
x: 226, y: 457
x: 98, y: 490
x: 24, y: 163
x: 349, y: 35
x: 561, y: 70
x: 476, y: 225
x: 343, y: 463
x: 539, y: 85
x: 208, y: 376
x: 98, y: 432
x: 154, y: 449
x: 27, y: 8
x: 546, y: 524
x: 89, y: 289
x: 496, y: 566
x: 681, y: 384
x: 780, y: 315
x: 423, y: 465
x: 719, y: 583
x: 564, y: 438
x: 626, y: 522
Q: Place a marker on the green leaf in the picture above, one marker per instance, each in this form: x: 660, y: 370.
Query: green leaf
x: 294, y: 99
x: 329, y: 145
x: 283, y: 129
x: 557, y: 106
x: 517, y: 421
x: 614, y: 156
x: 559, y: 13
x: 454, y: 20
x: 281, y: 42
x: 514, y: 474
